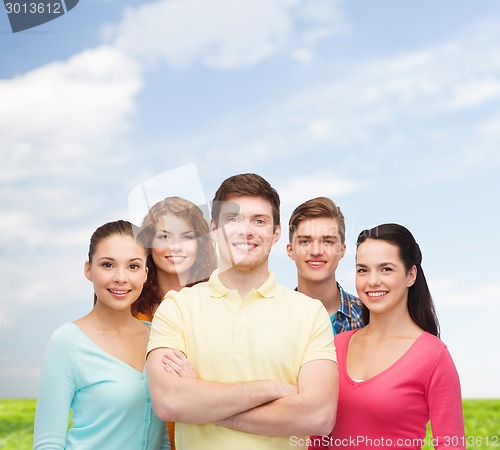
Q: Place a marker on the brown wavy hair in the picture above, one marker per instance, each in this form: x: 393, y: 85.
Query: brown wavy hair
x: 206, y: 261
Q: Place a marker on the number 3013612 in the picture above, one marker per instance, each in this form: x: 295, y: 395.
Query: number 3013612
x: 33, y: 8
x: 471, y: 441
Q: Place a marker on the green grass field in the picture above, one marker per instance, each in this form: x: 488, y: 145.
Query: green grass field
x: 482, y: 424
x: 16, y: 424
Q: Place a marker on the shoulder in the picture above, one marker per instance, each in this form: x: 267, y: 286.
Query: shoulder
x: 186, y: 295
x: 343, y: 338
x: 182, y: 302
x: 304, y: 310
x: 355, y: 302
x: 64, y: 343
x: 292, y: 294
x: 349, y: 298
x: 187, y: 292
x: 436, y: 364
x: 296, y: 298
x: 430, y: 342
x: 64, y: 333
x: 430, y: 351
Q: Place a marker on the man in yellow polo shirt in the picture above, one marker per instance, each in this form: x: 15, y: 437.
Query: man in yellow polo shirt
x: 260, y: 371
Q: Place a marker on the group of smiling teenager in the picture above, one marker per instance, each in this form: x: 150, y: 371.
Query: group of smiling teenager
x: 237, y: 360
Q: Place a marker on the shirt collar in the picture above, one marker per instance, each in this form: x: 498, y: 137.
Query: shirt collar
x: 344, y: 302
x: 218, y: 290
x: 267, y: 288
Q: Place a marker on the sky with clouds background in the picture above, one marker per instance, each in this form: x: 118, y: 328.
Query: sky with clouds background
x: 390, y: 108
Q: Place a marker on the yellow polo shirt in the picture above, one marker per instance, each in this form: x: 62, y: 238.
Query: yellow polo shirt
x: 268, y: 335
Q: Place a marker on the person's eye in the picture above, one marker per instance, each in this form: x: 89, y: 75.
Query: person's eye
x: 232, y: 219
x: 163, y: 237
x: 360, y: 270
x: 260, y: 222
x: 303, y: 241
x: 134, y: 266
x: 386, y: 269
x: 329, y: 242
x: 107, y: 265
x: 188, y: 237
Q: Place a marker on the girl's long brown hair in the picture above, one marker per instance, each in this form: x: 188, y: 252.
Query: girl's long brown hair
x: 206, y: 260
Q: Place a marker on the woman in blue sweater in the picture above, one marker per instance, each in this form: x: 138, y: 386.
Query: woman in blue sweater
x: 94, y: 366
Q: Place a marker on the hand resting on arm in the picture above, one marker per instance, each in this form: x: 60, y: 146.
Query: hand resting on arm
x: 308, y: 411
x: 189, y: 399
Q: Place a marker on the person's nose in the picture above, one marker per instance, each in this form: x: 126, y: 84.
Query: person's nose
x: 176, y: 246
x: 374, y: 278
x: 245, y: 229
x: 316, y: 248
x: 120, y: 275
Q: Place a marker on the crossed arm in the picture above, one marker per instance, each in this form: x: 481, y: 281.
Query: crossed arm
x: 193, y: 400
x: 312, y: 410
x: 268, y: 408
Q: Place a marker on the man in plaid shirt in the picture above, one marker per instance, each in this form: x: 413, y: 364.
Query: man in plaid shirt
x: 317, y: 244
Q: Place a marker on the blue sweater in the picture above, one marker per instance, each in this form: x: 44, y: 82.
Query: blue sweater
x: 109, y: 400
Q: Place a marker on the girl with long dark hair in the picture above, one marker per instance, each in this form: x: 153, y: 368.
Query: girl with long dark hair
x: 395, y: 374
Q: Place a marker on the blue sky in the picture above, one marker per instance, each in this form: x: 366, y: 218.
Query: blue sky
x: 390, y: 108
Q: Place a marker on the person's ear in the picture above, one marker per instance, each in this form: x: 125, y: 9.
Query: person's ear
x: 213, y: 230
x: 276, y: 234
x: 289, y: 251
x: 412, y: 276
x: 87, y: 271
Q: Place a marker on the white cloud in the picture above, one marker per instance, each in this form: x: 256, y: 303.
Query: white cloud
x: 297, y: 189
x: 384, y: 106
x: 223, y: 34
x: 453, y: 295
x: 387, y: 106
x: 490, y: 127
x: 303, y: 55
x: 474, y: 92
x: 47, y: 278
x: 61, y: 114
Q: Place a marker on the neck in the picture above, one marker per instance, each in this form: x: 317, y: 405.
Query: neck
x: 167, y: 282
x: 107, y: 318
x: 243, y: 281
x: 394, y: 324
x: 325, y: 290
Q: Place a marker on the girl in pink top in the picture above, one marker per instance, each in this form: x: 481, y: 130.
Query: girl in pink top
x: 395, y: 374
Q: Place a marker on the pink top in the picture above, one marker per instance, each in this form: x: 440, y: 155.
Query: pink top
x: 392, y: 408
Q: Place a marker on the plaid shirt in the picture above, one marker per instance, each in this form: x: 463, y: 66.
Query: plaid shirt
x: 348, y: 316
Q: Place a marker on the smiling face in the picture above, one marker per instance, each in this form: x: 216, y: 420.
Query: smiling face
x: 118, y: 271
x: 246, y: 233
x: 382, y: 280
x: 174, y: 245
x: 316, y: 248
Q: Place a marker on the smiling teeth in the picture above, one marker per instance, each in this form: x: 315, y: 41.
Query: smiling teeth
x: 316, y: 263
x: 118, y: 292
x: 176, y: 258
x: 376, y: 294
x: 244, y: 247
